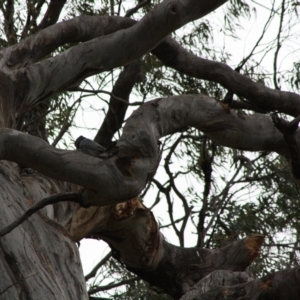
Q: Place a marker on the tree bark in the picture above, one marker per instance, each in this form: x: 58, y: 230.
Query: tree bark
x: 221, y: 285
x: 38, y: 260
x: 138, y: 152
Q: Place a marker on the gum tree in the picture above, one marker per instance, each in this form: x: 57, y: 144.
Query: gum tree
x: 45, y: 61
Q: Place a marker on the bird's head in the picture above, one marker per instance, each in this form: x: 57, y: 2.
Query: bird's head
x: 78, y: 141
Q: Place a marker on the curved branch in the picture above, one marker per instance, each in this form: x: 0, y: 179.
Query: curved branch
x: 69, y: 68
x: 229, y: 285
x: 175, y: 56
x: 52, y: 14
x: 98, y: 266
x: 78, y: 29
x: 117, y: 109
x: 70, y: 197
x: 138, y: 153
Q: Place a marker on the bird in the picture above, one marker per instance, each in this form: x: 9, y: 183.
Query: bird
x: 89, y: 147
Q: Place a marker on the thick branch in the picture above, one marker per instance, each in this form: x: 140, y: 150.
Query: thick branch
x: 79, y: 29
x: 175, y: 56
x: 52, y: 14
x: 115, y: 116
x: 57, y: 73
x: 133, y: 233
x: 219, y: 285
x: 138, y: 154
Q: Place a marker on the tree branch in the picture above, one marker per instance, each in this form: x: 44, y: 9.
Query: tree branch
x: 227, y: 285
x: 112, y: 285
x: 138, y: 153
x: 78, y: 29
x: 133, y: 10
x: 52, y: 14
x: 72, y: 197
x: 115, y: 116
x: 101, y: 54
x: 175, y: 56
x: 98, y: 266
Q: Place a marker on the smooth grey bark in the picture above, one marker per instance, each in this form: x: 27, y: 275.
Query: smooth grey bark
x: 123, y: 176
x: 172, y: 54
x: 43, y: 79
x: 44, y: 42
x: 38, y: 260
x: 24, y: 82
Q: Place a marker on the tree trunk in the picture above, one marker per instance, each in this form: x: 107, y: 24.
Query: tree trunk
x: 39, y: 259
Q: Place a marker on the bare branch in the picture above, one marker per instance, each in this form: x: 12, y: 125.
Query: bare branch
x: 98, y: 266
x: 78, y: 29
x: 72, y: 197
x: 52, y: 14
x: 112, y: 285
x: 101, y: 54
x: 117, y: 109
x: 228, y: 285
x: 175, y: 56
x: 138, y: 153
x: 278, y: 46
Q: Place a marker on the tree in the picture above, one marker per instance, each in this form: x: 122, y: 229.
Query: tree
x: 206, y: 106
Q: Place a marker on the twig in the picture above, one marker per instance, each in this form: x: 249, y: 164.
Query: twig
x: 110, y: 286
x: 243, y: 62
x: 278, y: 46
x: 61, y: 197
x: 97, y: 267
x: 66, y: 123
x: 107, y: 93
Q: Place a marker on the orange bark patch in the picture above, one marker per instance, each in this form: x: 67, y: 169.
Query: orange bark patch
x: 267, y: 282
x: 225, y: 107
x: 125, y: 209
x: 29, y: 201
x: 253, y: 244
